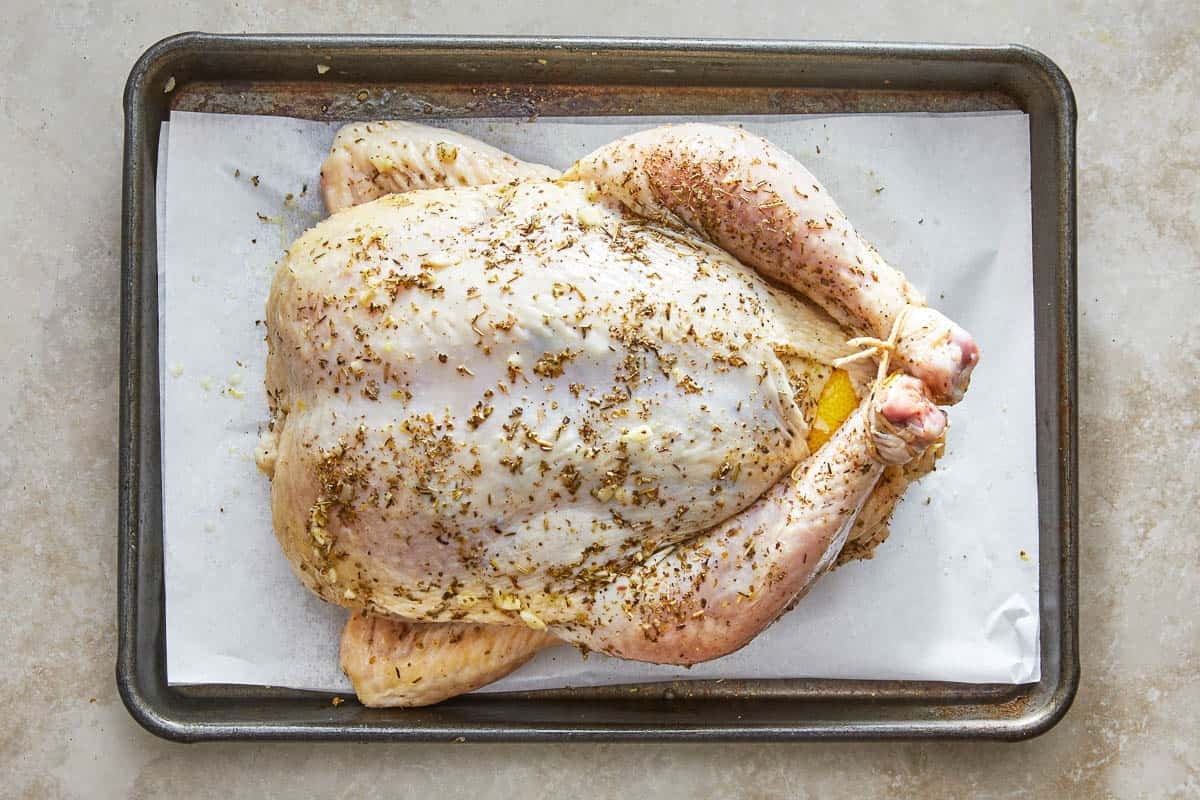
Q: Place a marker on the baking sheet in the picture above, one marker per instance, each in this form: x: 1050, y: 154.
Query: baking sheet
x: 951, y: 596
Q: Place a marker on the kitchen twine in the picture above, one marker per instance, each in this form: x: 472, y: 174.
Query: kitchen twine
x: 871, y: 347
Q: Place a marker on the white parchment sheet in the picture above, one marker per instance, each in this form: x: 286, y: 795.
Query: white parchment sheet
x: 952, y: 595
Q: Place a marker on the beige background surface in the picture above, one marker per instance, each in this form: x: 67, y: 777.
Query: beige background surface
x: 1133, y: 730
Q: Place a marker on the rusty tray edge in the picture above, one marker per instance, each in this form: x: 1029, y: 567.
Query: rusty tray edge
x: 783, y: 711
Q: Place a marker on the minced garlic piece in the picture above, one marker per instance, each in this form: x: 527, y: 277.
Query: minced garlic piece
x: 505, y: 602
x: 532, y: 620
x: 590, y: 216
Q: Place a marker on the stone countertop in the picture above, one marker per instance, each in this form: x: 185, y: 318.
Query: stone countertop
x: 1132, y: 731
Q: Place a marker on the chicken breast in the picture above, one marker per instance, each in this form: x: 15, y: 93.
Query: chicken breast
x: 528, y: 383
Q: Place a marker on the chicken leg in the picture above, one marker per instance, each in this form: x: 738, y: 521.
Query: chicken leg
x: 758, y: 203
x: 710, y: 596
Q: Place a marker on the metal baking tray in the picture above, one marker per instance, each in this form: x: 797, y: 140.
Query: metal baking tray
x: 409, y: 76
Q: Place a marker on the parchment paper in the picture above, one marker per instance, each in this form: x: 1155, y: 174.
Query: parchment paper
x: 952, y: 595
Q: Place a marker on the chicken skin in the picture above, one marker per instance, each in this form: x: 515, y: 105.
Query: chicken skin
x: 513, y: 408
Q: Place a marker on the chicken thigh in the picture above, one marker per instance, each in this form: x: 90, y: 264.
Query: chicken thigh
x: 528, y: 409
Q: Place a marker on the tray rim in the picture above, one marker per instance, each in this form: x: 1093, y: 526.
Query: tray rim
x: 162, y: 710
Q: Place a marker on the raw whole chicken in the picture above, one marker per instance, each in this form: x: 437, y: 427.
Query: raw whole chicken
x: 513, y: 408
